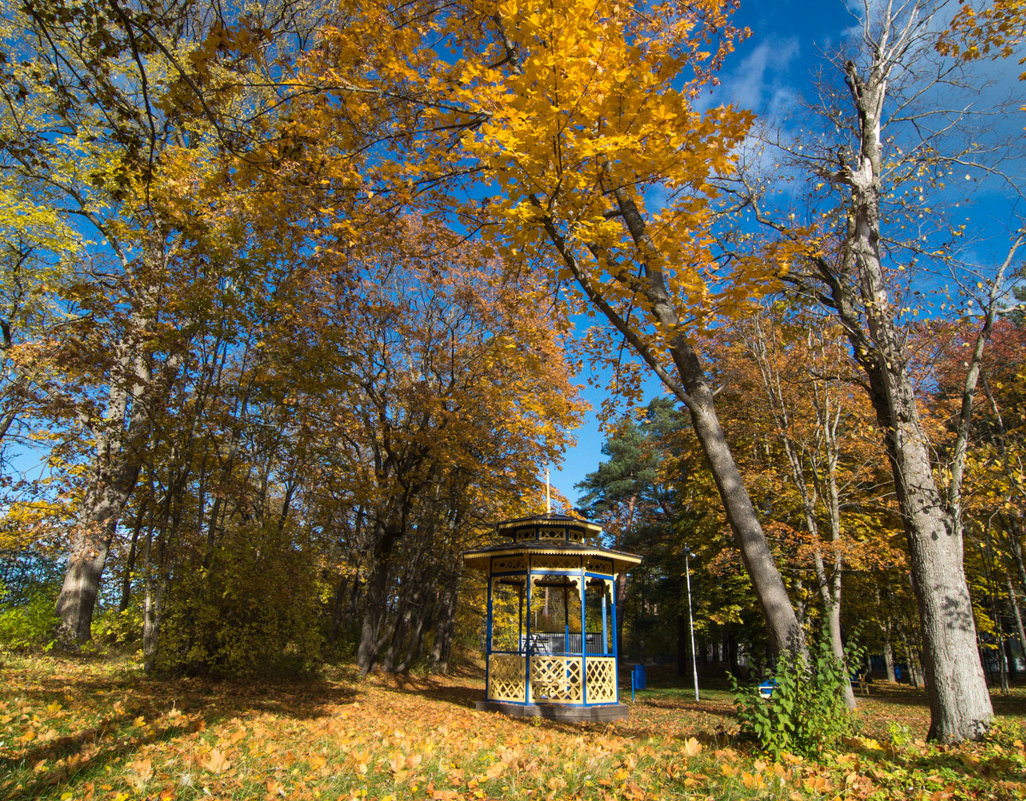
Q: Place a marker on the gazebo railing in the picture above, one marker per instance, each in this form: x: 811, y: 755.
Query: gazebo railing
x: 554, y: 679
x: 563, y: 644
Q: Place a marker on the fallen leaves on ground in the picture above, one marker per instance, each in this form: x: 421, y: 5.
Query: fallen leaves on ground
x: 102, y: 732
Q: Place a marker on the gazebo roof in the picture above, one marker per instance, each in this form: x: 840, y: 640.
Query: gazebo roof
x: 480, y: 558
x: 549, y: 520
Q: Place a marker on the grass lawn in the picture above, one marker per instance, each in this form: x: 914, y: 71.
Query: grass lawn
x: 100, y: 730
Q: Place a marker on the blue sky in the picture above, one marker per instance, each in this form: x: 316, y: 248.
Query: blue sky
x: 769, y: 73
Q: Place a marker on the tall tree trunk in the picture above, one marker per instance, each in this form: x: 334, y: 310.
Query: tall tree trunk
x: 781, y: 621
x: 114, y: 472
x: 445, y: 626
x: 692, y: 388
x: 888, y: 655
x: 337, y: 607
x: 126, y: 578
x: 960, y: 705
x: 425, y: 615
x: 1015, y: 545
x: 1017, y: 614
x: 375, y: 606
x: 154, y: 590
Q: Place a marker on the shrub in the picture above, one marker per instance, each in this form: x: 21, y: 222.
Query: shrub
x: 251, y: 610
x: 119, y: 628
x: 806, y: 713
x: 32, y: 624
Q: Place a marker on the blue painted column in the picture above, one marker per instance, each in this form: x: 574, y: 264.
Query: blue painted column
x: 527, y: 641
x: 584, y: 634
x: 488, y: 636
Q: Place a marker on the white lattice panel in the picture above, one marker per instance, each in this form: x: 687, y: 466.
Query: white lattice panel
x: 551, y: 533
x: 599, y: 566
x: 556, y: 679
x: 601, y: 678
x: 506, y: 678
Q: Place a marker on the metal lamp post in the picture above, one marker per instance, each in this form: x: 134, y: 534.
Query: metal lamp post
x: 691, y: 620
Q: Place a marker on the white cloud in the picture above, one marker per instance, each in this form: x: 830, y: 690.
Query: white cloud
x: 758, y: 82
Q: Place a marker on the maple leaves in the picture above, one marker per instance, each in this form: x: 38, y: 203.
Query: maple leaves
x: 993, y: 31
x: 182, y: 739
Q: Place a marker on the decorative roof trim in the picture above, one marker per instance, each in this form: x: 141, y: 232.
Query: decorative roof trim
x: 474, y: 558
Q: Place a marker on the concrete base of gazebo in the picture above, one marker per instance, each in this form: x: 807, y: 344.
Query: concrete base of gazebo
x: 574, y: 714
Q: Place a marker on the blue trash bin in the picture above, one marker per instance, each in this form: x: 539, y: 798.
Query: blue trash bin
x: 638, y: 677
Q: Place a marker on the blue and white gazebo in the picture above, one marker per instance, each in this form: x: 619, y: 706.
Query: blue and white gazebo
x: 551, y: 629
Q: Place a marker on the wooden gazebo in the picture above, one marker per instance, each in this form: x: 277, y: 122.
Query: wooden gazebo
x: 551, y: 627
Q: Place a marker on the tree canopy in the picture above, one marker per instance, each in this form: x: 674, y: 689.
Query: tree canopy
x: 293, y: 300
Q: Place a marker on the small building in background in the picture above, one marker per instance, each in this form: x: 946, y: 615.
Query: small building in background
x: 551, y: 629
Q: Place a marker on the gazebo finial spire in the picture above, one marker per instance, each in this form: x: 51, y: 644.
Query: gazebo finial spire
x: 548, y: 494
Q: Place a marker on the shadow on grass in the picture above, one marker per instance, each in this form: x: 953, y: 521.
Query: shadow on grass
x: 139, y: 711
x: 713, y: 718
x: 461, y: 688
x: 1013, y: 703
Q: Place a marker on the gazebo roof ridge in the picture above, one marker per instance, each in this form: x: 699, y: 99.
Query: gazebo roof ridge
x: 546, y: 519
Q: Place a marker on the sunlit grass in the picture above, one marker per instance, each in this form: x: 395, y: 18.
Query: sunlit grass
x: 100, y: 730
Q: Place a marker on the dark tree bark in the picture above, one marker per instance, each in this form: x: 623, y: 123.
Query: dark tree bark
x: 126, y: 578
x: 375, y: 598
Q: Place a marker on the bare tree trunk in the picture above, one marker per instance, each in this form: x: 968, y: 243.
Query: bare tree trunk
x: 375, y: 606
x: 1017, y: 613
x: 126, y: 579
x: 959, y: 702
x: 960, y: 705
x: 888, y: 655
x: 1016, y: 547
x: 416, y: 639
x: 154, y: 588
x: 445, y: 626
x: 777, y: 610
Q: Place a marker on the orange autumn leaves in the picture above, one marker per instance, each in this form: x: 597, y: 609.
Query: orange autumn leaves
x: 522, y: 120
x: 117, y: 737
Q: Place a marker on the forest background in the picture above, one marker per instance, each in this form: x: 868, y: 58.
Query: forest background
x: 293, y: 310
